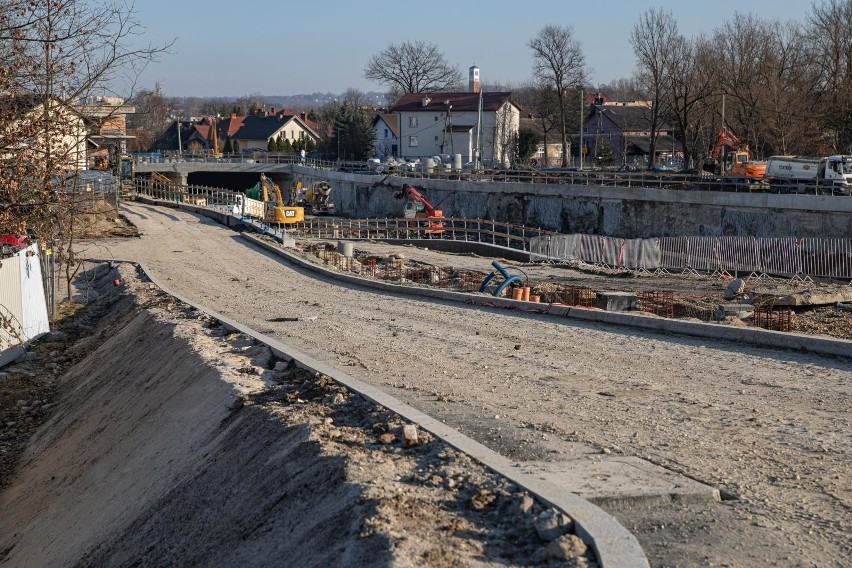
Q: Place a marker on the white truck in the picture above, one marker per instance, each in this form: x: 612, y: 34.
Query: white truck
x: 796, y: 174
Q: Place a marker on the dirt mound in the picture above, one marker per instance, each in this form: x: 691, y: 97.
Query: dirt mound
x: 176, y: 442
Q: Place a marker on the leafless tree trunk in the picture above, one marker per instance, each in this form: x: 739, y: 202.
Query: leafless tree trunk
x: 690, y: 82
x: 559, y: 66
x: 831, y: 48
x: 654, y: 40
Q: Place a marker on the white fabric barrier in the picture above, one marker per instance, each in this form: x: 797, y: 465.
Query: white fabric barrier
x: 785, y: 256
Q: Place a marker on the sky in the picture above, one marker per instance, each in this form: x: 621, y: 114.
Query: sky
x: 227, y: 48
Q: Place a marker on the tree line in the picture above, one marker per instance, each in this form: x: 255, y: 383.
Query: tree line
x: 782, y: 87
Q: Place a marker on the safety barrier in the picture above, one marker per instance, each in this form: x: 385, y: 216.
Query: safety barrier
x: 780, y: 256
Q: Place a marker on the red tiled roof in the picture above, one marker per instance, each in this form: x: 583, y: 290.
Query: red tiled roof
x: 229, y: 126
x: 203, y: 130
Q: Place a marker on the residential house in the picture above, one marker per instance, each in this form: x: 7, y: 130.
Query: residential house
x: 387, y: 135
x: 549, y: 148
x: 622, y: 130
x: 257, y: 131
x: 431, y: 124
x: 35, y: 130
x: 106, y: 121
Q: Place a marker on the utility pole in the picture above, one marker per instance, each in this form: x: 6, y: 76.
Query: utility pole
x: 722, y: 149
x: 581, y: 129
x: 180, y: 149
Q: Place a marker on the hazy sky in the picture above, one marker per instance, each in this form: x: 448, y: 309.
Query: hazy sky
x: 232, y: 48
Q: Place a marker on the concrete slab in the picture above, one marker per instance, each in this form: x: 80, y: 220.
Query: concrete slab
x: 736, y: 310
x: 615, y: 301
x: 613, y: 480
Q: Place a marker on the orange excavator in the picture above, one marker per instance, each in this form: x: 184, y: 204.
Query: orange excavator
x: 418, y: 207
x: 738, y: 163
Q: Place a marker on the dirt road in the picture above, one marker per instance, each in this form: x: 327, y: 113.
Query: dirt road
x: 770, y: 428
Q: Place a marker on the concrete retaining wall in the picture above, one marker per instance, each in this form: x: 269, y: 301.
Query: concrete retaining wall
x: 612, y: 211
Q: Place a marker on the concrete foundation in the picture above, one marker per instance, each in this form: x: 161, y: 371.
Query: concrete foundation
x: 613, y: 301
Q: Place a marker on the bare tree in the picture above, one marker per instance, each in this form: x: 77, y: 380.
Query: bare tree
x: 558, y: 66
x: 788, y: 123
x: 55, y: 53
x: 690, y: 81
x: 154, y: 113
x: 831, y: 48
x: 412, y: 67
x: 250, y: 104
x: 654, y: 40
x: 355, y: 97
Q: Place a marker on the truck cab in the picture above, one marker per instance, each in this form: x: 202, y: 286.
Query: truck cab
x: 836, y: 172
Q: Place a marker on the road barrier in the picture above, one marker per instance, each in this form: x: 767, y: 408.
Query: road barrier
x: 778, y: 256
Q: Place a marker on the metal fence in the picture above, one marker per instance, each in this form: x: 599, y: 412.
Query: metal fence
x: 566, y: 176
x: 783, y: 256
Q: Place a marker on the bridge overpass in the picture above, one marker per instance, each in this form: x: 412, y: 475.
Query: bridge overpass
x: 632, y: 205
x: 179, y: 170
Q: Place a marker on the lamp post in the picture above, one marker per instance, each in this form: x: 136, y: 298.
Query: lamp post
x: 338, y: 143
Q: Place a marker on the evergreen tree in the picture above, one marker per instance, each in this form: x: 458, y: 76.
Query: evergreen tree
x: 286, y: 146
x: 527, y: 144
x: 271, y: 146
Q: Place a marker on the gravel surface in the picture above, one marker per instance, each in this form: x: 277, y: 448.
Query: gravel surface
x: 215, y: 453
x: 770, y: 428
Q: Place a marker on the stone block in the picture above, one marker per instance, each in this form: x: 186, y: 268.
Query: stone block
x: 612, y: 301
x: 734, y: 310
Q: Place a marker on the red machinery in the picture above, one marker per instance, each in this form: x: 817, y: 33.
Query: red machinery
x: 418, y: 207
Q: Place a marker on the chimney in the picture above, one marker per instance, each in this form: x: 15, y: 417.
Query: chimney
x: 473, y: 79
x: 271, y: 111
x: 233, y: 115
x: 304, y: 116
x: 426, y: 101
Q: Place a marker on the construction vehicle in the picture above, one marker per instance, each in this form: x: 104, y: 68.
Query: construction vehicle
x: 256, y: 204
x: 797, y: 174
x: 418, y: 207
x: 214, y: 140
x: 315, y: 198
x: 738, y: 162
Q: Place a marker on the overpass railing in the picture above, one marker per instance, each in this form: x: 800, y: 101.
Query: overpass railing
x: 561, y: 176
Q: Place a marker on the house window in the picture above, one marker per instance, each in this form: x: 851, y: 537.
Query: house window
x: 412, y: 122
x: 540, y: 152
x: 436, y: 138
x: 412, y: 141
x: 436, y: 118
x: 386, y: 132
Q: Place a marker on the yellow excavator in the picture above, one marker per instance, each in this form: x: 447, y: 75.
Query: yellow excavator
x: 280, y: 213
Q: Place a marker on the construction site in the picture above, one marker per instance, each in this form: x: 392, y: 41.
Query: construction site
x: 400, y: 393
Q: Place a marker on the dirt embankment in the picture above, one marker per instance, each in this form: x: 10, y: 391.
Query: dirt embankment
x: 171, y: 441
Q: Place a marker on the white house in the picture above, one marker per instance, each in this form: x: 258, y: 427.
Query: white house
x: 454, y: 122
x: 387, y: 135
x: 40, y: 129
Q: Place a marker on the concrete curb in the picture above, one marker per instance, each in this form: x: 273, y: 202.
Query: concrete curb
x: 756, y: 337
x: 614, y: 545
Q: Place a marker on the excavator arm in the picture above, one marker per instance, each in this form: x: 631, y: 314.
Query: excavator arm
x: 415, y: 195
